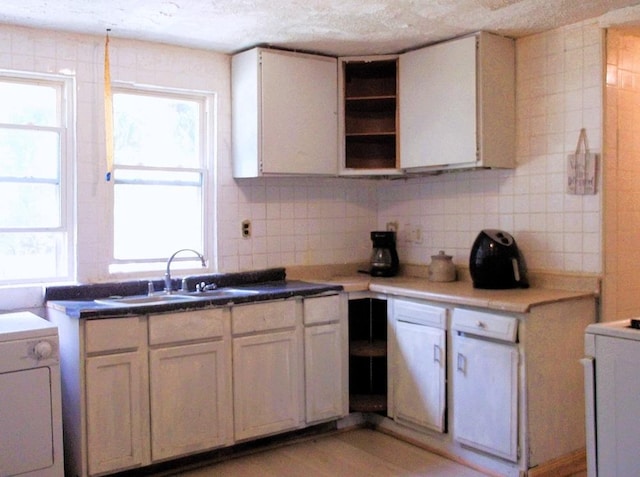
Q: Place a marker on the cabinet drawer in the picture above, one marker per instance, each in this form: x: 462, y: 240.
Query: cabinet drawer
x: 325, y: 309
x: 187, y: 326
x: 419, y: 313
x: 114, y: 334
x: 485, y: 324
x: 263, y: 316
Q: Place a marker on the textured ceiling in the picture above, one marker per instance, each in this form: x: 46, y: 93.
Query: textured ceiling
x: 337, y: 27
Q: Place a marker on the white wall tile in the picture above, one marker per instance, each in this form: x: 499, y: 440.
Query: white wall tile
x: 558, y: 93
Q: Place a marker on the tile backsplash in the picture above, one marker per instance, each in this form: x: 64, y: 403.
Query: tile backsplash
x: 315, y: 221
x: 558, y: 92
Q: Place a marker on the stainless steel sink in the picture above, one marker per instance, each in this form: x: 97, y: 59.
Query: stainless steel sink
x: 220, y: 293
x: 140, y: 300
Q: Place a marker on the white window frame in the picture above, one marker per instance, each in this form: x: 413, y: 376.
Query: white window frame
x: 67, y: 128
x: 208, y: 137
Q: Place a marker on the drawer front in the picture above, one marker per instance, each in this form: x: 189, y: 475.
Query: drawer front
x: 485, y: 324
x: 113, y: 334
x: 273, y: 315
x: 419, y: 313
x: 325, y: 309
x: 187, y: 326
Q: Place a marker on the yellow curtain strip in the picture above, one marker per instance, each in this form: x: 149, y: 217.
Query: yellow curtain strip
x: 108, y: 111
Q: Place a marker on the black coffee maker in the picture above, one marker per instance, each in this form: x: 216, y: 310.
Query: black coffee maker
x: 384, y: 257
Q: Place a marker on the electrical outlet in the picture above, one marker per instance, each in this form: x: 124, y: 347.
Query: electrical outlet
x: 246, y: 228
x: 392, y: 226
x: 418, y: 235
x: 414, y: 234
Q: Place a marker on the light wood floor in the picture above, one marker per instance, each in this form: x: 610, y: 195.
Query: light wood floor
x: 359, y: 452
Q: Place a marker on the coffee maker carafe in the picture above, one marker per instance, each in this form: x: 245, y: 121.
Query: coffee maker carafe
x: 384, y: 257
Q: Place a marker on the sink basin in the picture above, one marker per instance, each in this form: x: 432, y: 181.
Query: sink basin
x: 140, y: 300
x: 221, y: 293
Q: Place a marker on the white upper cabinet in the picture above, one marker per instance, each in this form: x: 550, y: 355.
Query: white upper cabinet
x: 284, y: 114
x: 457, y: 104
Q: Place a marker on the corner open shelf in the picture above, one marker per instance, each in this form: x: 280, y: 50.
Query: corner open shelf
x: 370, y: 114
x: 368, y: 355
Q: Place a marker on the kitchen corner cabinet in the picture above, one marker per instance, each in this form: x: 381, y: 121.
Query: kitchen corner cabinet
x: 268, y: 370
x: 326, y: 364
x: 283, y: 113
x: 457, y: 104
x: 367, y: 354
x: 417, y: 364
x: 368, y: 120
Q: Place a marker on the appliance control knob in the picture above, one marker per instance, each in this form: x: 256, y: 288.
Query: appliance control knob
x: 43, y: 350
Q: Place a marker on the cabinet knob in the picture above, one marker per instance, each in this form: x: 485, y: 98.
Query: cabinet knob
x: 481, y: 324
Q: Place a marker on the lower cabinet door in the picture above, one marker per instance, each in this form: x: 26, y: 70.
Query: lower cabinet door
x: 268, y: 379
x: 324, y: 372
x: 485, y: 395
x: 190, y: 398
x: 117, y: 414
x: 419, y: 379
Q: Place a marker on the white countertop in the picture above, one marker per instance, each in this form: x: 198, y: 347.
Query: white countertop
x: 517, y: 300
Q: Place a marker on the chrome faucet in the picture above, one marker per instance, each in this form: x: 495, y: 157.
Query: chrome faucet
x: 167, y: 276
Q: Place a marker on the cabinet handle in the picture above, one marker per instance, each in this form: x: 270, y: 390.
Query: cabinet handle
x: 436, y: 353
x: 461, y: 363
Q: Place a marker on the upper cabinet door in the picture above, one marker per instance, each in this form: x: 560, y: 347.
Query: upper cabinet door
x: 457, y: 104
x: 284, y: 114
x: 438, y: 104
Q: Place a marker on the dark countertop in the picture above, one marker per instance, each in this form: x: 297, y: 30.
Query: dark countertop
x: 78, y: 301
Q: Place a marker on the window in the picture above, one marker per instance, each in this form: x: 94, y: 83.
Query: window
x: 36, y: 157
x: 161, y: 153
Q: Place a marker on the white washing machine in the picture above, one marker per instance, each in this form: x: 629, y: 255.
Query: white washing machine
x: 30, y: 402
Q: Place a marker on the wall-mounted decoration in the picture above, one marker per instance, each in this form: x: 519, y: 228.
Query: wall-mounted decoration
x: 581, y: 168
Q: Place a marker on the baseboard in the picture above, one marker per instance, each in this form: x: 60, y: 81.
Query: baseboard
x: 564, y: 466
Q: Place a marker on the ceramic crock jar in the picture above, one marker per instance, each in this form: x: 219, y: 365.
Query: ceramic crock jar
x: 441, y: 268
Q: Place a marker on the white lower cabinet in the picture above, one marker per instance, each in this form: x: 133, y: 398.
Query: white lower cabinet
x: 268, y: 394
x: 485, y: 396
x: 139, y: 390
x: 116, y: 396
x: 485, y: 382
x: 417, y: 361
x: 326, y: 358
x: 190, y: 382
x: 116, y: 434
x: 510, y: 387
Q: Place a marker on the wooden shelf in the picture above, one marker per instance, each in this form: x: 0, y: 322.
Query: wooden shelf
x: 368, y: 349
x: 368, y: 402
x: 369, y: 102
x: 370, y: 114
x: 381, y: 134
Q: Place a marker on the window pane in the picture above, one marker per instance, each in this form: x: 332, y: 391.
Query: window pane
x: 156, y: 131
x: 29, y: 104
x: 153, y: 221
x: 29, y: 205
x: 32, y: 256
x: 29, y: 154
